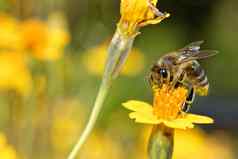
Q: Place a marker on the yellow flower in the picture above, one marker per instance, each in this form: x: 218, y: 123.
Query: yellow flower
x: 95, y: 59
x: 102, y: 146
x: 64, y: 131
x: 15, y: 74
x: 138, y: 13
x: 6, y: 151
x: 166, y: 109
x: 10, y: 35
x: 57, y: 38
x: 68, y: 120
x: 201, y: 145
x: 46, y: 41
x: 34, y: 33
x: 192, y: 143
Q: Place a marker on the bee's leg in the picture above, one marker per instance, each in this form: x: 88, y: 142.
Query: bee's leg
x: 149, y: 79
x: 186, y: 107
x: 176, y: 78
x: 153, y: 84
x: 178, y: 84
x: 189, y: 100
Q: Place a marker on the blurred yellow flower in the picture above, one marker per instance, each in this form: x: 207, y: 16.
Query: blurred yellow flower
x: 34, y: 33
x: 192, y: 143
x: 6, y: 150
x: 58, y: 36
x: 66, y: 126
x: 68, y: 121
x: 102, y: 146
x: 46, y: 41
x: 14, y: 74
x: 199, y: 145
x: 138, y: 13
x: 167, y: 110
x: 95, y: 58
x: 63, y: 133
x: 10, y: 35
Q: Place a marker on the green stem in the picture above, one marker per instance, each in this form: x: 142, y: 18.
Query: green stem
x: 161, y: 143
x: 118, y: 50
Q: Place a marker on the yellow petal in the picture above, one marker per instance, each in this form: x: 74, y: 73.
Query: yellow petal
x: 199, y: 119
x: 179, y: 124
x: 144, y: 118
x: 138, y: 106
x: 138, y: 13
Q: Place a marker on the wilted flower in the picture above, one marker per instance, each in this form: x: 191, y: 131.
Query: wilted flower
x: 166, y: 109
x: 138, y: 13
x: 95, y: 59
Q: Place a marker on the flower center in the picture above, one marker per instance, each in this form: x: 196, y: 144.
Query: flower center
x: 168, y: 102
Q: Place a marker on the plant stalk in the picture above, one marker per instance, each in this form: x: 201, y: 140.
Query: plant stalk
x: 118, y: 50
x: 161, y: 143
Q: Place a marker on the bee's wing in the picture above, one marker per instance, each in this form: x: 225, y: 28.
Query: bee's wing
x: 186, y: 56
x: 194, y: 46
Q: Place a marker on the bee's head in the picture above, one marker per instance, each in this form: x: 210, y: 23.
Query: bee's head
x: 160, y: 73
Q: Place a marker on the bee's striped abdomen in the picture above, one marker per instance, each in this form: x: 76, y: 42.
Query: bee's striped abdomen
x: 198, y: 78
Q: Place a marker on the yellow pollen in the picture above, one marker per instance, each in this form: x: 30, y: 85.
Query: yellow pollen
x: 168, y: 102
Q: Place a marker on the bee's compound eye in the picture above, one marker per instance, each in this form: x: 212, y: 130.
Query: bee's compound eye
x: 163, y: 72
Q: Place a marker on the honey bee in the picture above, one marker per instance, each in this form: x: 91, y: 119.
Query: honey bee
x: 181, y: 68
